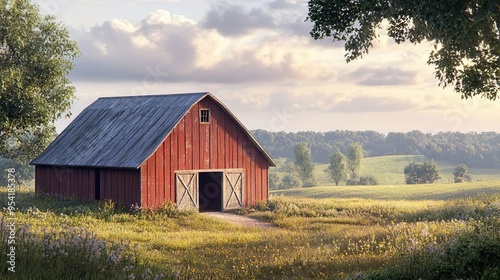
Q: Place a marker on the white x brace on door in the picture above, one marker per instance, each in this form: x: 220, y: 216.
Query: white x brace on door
x: 233, y: 190
x: 187, y: 193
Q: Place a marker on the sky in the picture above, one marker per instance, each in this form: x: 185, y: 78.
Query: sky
x: 258, y: 58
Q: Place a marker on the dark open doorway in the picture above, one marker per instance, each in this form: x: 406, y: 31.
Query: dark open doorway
x: 210, y: 191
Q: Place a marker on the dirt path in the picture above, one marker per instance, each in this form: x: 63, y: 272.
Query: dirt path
x: 240, y: 220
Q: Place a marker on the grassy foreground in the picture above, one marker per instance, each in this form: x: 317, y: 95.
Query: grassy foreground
x: 366, y: 233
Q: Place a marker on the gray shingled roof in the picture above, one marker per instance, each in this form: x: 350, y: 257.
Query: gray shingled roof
x: 122, y: 132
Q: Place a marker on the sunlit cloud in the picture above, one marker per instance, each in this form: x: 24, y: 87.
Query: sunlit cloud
x: 259, y: 58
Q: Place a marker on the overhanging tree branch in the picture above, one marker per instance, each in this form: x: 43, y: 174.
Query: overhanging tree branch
x: 465, y: 34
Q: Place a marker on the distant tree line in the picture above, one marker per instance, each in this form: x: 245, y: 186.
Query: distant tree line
x: 480, y: 150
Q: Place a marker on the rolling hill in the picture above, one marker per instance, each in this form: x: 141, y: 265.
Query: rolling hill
x: 389, y: 170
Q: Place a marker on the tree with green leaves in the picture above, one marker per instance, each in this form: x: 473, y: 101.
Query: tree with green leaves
x: 23, y: 172
x: 290, y: 181
x: 465, y: 35
x: 36, y: 55
x: 421, y: 173
x: 274, y: 181
x: 303, y: 163
x: 354, y: 157
x: 367, y: 180
x: 460, y: 174
x: 337, y: 168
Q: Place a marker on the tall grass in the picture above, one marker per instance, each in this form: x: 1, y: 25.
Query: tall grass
x: 315, y: 238
x: 67, y: 253
x: 472, y: 254
x: 456, y: 239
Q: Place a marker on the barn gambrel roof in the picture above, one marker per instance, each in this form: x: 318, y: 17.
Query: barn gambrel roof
x: 123, y: 132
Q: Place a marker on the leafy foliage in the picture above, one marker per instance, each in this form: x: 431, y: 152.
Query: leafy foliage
x: 337, y: 168
x: 421, y: 173
x: 465, y: 35
x: 274, y: 181
x: 24, y: 173
x: 352, y: 182
x: 354, y: 157
x: 460, y: 174
x: 36, y: 55
x: 368, y: 180
x: 362, y: 181
x: 290, y: 181
x: 303, y: 162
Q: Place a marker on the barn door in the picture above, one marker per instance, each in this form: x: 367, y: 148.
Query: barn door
x: 232, y: 190
x: 186, y: 189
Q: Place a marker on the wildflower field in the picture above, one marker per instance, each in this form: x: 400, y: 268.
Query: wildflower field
x: 392, y: 233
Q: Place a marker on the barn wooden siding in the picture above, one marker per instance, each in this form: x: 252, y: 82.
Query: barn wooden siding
x: 221, y: 144
x: 65, y: 181
x: 120, y: 185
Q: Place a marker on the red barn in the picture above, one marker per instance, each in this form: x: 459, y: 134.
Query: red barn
x: 147, y: 150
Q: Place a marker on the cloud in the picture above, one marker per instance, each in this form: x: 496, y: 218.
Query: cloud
x: 121, y: 50
x: 235, y: 21
x: 129, y: 1
x: 162, y: 17
x: 293, y: 100
x: 338, y: 102
x: 184, y: 51
x: 282, y: 4
x: 298, y: 27
x: 365, y: 104
x: 290, y: 20
x: 382, y: 76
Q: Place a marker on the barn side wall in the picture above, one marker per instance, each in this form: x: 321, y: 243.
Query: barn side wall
x: 221, y: 144
x: 120, y: 185
x: 65, y: 181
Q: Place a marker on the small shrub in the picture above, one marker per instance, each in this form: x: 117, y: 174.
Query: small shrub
x: 171, y: 210
x: 367, y: 180
x: 363, y: 181
x: 274, y: 181
x: 460, y: 174
x: 261, y: 206
x: 274, y: 204
x: 309, y: 184
x: 107, y: 209
x: 290, y: 181
x: 352, y: 182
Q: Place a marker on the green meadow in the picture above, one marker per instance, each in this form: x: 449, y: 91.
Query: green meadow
x: 438, y: 231
x: 388, y: 170
x: 436, y: 191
